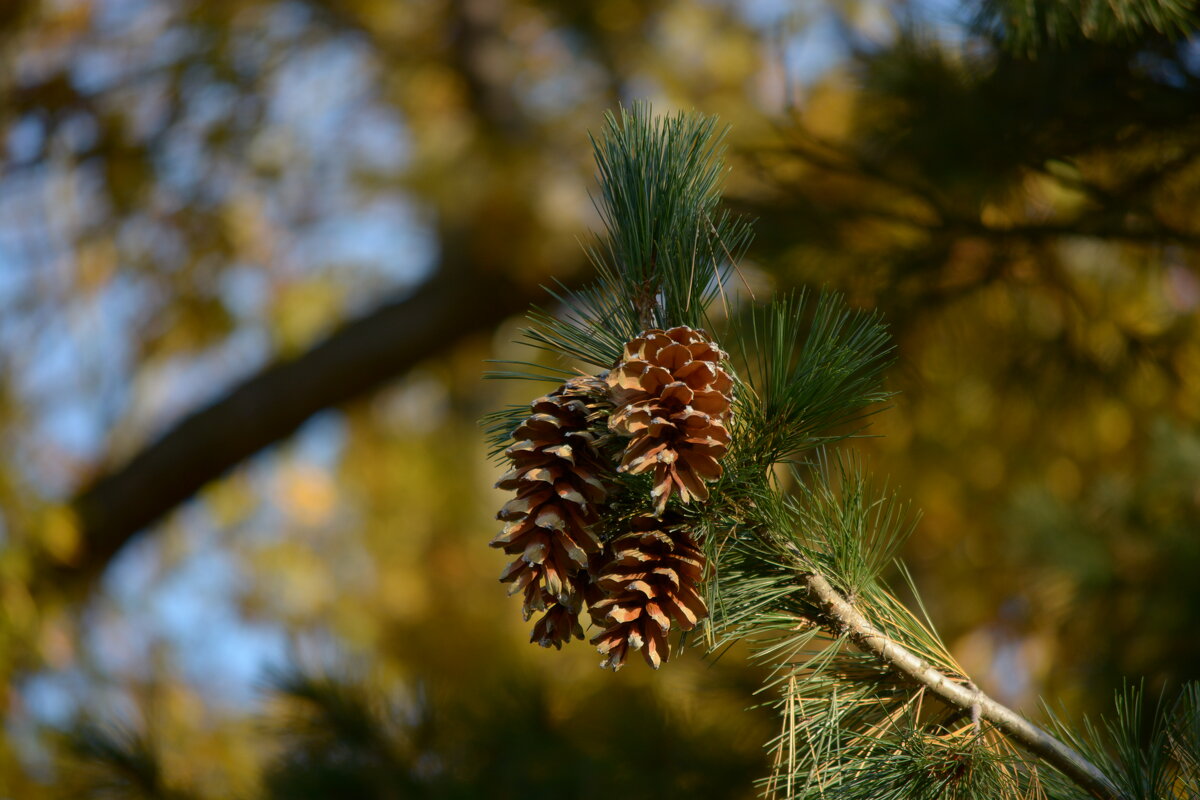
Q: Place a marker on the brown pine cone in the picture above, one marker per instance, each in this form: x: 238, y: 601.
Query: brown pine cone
x: 556, y: 474
x: 652, y: 578
x: 557, y: 626
x: 672, y: 399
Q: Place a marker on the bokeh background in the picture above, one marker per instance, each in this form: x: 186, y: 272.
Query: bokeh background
x: 254, y: 253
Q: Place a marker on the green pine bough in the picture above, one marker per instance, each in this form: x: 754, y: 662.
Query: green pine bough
x: 692, y: 439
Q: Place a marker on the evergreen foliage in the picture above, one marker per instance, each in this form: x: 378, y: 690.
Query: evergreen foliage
x: 1030, y: 26
x: 666, y: 242
x: 336, y: 732
x: 945, y: 171
x: 1151, y: 750
x: 806, y: 373
x: 111, y: 761
x: 342, y: 739
x: 859, y: 677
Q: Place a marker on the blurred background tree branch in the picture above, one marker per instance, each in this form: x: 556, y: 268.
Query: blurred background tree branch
x: 359, y: 357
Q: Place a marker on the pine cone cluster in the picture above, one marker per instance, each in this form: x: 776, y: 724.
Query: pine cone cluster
x: 670, y: 397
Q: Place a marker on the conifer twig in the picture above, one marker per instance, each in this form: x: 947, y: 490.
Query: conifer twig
x: 844, y: 618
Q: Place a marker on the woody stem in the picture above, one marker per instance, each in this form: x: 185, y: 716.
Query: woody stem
x: 844, y: 618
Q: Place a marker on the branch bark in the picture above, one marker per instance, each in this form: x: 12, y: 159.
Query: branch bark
x: 470, y: 294
x: 268, y: 407
x: 1037, y: 741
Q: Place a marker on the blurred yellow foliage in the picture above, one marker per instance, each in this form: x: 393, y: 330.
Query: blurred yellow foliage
x: 60, y: 534
x: 307, y: 493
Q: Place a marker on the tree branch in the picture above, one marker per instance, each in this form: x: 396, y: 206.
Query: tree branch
x: 268, y: 407
x: 470, y: 294
x: 848, y: 620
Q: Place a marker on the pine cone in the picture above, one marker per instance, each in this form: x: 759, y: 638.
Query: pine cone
x: 557, y: 626
x: 672, y: 398
x: 652, y: 578
x: 556, y: 474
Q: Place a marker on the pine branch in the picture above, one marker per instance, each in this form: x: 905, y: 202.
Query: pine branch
x: 795, y: 571
x: 844, y: 618
x: 855, y: 666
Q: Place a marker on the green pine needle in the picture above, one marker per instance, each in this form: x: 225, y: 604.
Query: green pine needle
x: 667, y: 247
x: 1150, y: 753
x: 808, y: 372
x: 1184, y: 739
